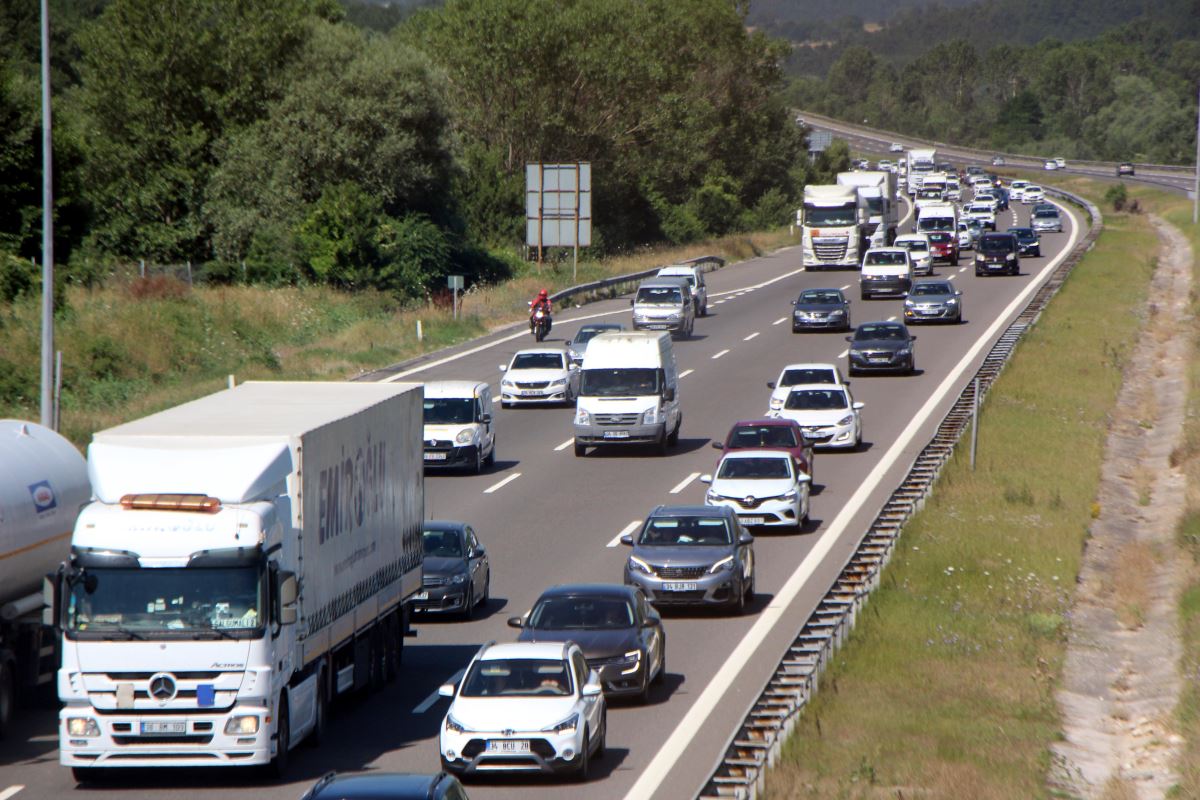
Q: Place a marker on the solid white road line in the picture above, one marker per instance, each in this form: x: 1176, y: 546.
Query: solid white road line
x: 11, y: 791
x: 751, y: 336
x: 565, y: 444
x: 683, y: 484
x: 843, y: 354
x: 425, y: 704
x: 496, y: 486
x: 780, y: 321
x: 686, y: 372
x: 630, y: 528
x: 740, y: 654
x: 718, y: 355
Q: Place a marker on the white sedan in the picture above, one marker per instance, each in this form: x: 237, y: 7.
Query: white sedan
x: 541, y: 375
x: 828, y: 414
x: 895, y: 147
x: 525, y: 707
x: 763, y: 487
x: 797, y: 374
x: 1033, y: 194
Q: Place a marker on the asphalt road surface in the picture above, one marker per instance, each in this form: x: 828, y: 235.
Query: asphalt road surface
x: 547, y: 517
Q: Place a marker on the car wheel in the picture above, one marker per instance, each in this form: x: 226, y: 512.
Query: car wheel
x: 673, y: 439
x: 468, y: 610
x: 643, y: 697
x: 958, y: 319
x: 505, y: 404
x: 579, y: 450
x: 661, y: 675
x: 864, y: 296
x: 478, y: 460
x: 491, y: 456
x: 749, y: 593
x: 704, y: 309
x: 858, y: 440
x: 487, y: 590
x: 8, y: 697
x: 602, y: 747
x: 581, y: 772
x: 795, y: 329
x: 320, y: 714
x: 739, y: 604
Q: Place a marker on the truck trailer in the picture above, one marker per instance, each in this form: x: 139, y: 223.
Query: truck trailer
x: 833, y: 225
x: 43, y: 484
x: 878, y: 191
x: 248, y: 558
x: 919, y: 162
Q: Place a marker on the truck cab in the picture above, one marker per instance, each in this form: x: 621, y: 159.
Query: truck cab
x: 832, y: 220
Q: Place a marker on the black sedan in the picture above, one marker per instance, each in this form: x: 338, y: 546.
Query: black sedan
x: 1028, y: 242
x: 821, y: 309
x: 620, y: 634
x: 881, y: 347
x: 389, y: 785
x: 457, y: 574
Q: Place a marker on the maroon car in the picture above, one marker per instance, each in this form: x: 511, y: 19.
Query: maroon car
x: 943, y: 246
x: 771, y: 434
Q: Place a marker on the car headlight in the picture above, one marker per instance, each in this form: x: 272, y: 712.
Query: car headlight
x: 839, y: 312
x: 82, y: 726
x: 630, y: 661
x: 979, y: 257
x: 454, y: 725
x: 242, y: 725
x: 650, y: 416
x: 711, y: 497
x: 907, y: 351
x: 775, y: 404
x: 725, y: 564
x: 559, y: 382
x: 1009, y: 256
x: 459, y: 578
x: 464, y: 436
x: 953, y: 301
x: 846, y: 420
x: 790, y: 497
x: 568, y: 725
x: 857, y: 353
x: 582, y: 417
x: 638, y: 565
x: 507, y: 382
x: 908, y: 304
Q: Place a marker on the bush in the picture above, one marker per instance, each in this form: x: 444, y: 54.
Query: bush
x: 1117, y: 195
x: 158, y: 287
x: 18, y: 277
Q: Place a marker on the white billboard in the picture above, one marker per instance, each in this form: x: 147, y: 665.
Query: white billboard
x: 558, y: 204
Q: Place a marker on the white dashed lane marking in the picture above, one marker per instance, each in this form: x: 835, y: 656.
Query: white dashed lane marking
x: 565, y: 444
x: 780, y: 321
x: 500, y: 485
x: 425, y: 705
x: 751, y: 336
x: 683, y: 484
x: 843, y: 354
x: 718, y: 355
x: 686, y: 372
x: 10, y: 791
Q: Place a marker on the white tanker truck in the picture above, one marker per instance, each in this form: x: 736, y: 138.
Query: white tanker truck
x: 43, y: 484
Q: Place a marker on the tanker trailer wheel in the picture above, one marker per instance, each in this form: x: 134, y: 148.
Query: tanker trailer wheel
x: 8, y: 696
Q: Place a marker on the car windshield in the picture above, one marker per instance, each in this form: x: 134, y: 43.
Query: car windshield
x: 638, y: 382
x: 792, y: 377
x: 890, y: 259
x: 940, y: 238
x: 816, y: 216
x: 1046, y: 214
x: 442, y: 543
x: 1023, y: 233
x: 659, y: 295
x: 537, y: 361
x: 581, y: 613
x: 995, y: 244
x: 973, y: 209
x: 933, y: 223
x: 449, y: 410
x: 1029, y: 189
x: 690, y: 277
x: 670, y: 531
x: 931, y: 288
x: 756, y: 468
x: 917, y: 245
x: 517, y: 677
x: 587, y: 333
x: 762, y: 436
x: 877, y: 332
x: 816, y: 400
x: 820, y: 296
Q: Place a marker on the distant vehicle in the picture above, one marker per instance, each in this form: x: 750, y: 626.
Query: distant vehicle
x: 692, y: 556
x: 1050, y: 165
x: 919, y: 250
x: 457, y: 575
x: 988, y: 198
x: 1060, y: 162
x: 525, y: 707
x: 885, y: 270
x: 763, y: 487
x: 1125, y: 168
x: 621, y: 636
x: 695, y: 279
x: 933, y: 301
x: 895, y: 147
x: 541, y: 375
x: 833, y: 223
x: 997, y: 161
x: 827, y: 414
x: 664, y: 304
x: 982, y: 213
x: 578, y: 344
x: 943, y: 246
x: 799, y: 120
x: 881, y: 346
x: 820, y: 309
x: 799, y: 374
x: 1032, y: 194
x: 969, y: 230
x: 770, y: 434
x: 1016, y: 189
x: 974, y: 170
x: 1046, y: 220
x: 459, y: 430
x: 997, y: 253
x: 1028, y: 243
x: 389, y: 785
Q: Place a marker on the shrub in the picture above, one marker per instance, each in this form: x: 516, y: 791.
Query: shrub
x: 1117, y: 195
x: 158, y: 287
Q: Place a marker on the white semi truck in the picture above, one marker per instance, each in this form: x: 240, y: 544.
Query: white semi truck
x: 833, y: 226
x: 878, y: 192
x: 919, y: 162
x: 43, y: 484
x: 248, y: 557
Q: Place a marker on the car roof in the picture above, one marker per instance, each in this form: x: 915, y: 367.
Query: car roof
x: 547, y: 650
x: 770, y: 422
x: 886, y: 249
x: 810, y: 365
x: 590, y: 590
x: 881, y: 323
x: 453, y: 388
x: 940, y: 282
x: 443, y: 525
x: 825, y: 387
x: 601, y: 326
x: 558, y: 351
x: 909, y: 237
x: 664, y: 281
x: 759, y: 452
x: 678, y: 269
x: 376, y: 785
x: 691, y: 511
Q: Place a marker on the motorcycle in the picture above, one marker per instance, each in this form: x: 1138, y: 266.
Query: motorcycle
x: 541, y: 324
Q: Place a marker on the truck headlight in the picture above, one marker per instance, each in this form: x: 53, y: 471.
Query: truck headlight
x: 82, y: 726
x: 650, y: 416
x: 464, y: 436
x: 582, y: 417
x: 568, y: 725
x: 725, y: 564
x: 637, y: 565
x: 245, y: 725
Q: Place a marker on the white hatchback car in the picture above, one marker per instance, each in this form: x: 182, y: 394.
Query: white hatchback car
x: 828, y: 415
x: 540, y: 375
x: 798, y: 374
x: 763, y: 487
x: 1033, y: 194
x: 524, y: 707
x: 917, y: 245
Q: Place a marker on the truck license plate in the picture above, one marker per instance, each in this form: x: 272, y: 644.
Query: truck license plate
x: 422, y: 596
x: 508, y: 745
x: 435, y: 456
x: 163, y: 728
x: 679, y: 587
x: 616, y: 434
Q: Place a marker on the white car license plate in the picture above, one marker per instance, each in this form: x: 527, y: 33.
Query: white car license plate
x: 422, y: 596
x: 879, y: 360
x: 616, y: 434
x: 531, y: 392
x: 753, y: 520
x: 435, y: 456
x: 163, y: 728
x: 679, y: 587
x: 508, y: 746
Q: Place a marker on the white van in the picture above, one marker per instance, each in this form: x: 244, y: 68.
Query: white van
x: 695, y: 279
x: 628, y: 392
x: 460, y: 429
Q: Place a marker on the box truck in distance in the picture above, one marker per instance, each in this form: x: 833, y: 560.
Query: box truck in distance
x: 43, y: 484
x: 248, y: 557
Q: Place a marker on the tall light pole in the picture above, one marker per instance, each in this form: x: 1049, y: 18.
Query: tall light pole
x: 47, y: 230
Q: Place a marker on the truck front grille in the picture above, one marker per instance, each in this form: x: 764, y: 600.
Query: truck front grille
x: 616, y: 419
x: 830, y: 250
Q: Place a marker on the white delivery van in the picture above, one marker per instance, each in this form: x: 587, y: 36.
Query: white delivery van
x: 695, y: 279
x: 628, y: 392
x: 459, y: 426
x: 886, y: 271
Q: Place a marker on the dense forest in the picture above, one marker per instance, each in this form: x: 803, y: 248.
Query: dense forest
x: 304, y: 141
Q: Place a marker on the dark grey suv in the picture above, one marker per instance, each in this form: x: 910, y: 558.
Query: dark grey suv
x: 692, y: 556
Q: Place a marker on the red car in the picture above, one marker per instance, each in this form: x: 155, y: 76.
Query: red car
x: 943, y: 246
x: 771, y: 434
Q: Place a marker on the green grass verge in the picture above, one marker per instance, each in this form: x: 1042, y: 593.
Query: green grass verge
x: 946, y: 687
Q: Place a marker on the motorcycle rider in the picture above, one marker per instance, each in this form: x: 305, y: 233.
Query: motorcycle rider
x: 541, y: 303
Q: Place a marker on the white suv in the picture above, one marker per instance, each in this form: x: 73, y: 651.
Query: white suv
x: 459, y: 428
x: 763, y: 487
x: 524, y: 707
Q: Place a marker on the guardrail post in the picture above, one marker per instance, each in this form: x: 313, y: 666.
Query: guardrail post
x: 974, y: 421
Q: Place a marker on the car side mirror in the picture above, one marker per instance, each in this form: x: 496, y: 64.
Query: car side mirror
x: 479, y: 552
x: 627, y: 540
x: 446, y: 690
x: 849, y: 338
x: 516, y: 622
x: 485, y: 418
x: 718, y: 445
x: 912, y: 338
x: 706, y: 478
x: 669, y: 394
x: 650, y: 622
x: 770, y: 384
x: 745, y: 538
x: 591, y: 690
x: 804, y: 477
x: 857, y: 406
x: 631, y: 302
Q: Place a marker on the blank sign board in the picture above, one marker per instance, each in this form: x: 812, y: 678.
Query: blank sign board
x: 558, y: 205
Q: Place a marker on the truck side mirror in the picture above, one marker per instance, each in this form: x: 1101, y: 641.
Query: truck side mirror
x: 288, y: 592
x: 669, y: 394
x: 52, y: 600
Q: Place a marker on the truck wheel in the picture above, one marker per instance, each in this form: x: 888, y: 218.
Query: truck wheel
x: 283, y: 741
x: 87, y: 775
x: 321, y: 715
x: 580, y: 450
x: 391, y: 648
x: 378, y: 658
x: 673, y: 439
x: 8, y: 697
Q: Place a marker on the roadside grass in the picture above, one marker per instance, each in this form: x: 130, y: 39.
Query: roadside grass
x: 946, y: 686
x: 132, y: 347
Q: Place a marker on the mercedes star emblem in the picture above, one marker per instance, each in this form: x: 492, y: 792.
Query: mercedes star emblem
x: 162, y: 687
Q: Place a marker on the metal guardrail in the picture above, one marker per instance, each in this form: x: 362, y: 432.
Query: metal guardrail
x: 758, y: 741
x: 615, y: 286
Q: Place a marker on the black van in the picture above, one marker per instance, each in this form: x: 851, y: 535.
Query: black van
x: 997, y: 254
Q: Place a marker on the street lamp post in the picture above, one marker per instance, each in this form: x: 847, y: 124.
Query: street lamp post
x: 47, y: 405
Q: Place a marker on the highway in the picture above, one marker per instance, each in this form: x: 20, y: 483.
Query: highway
x: 546, y: 517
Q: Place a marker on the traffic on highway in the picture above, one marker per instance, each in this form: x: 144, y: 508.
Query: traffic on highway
x: 602, y: 595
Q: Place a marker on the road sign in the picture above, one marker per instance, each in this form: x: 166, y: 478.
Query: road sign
x: 558, y: 205
x: 454, y: 281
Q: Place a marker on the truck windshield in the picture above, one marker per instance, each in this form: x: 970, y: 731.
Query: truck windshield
x: 449, y: 410
x: 935, y: 224
x: 875, y: 205
x: 167, y: 602
x: 638, y: 382
x: 816, y: 216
